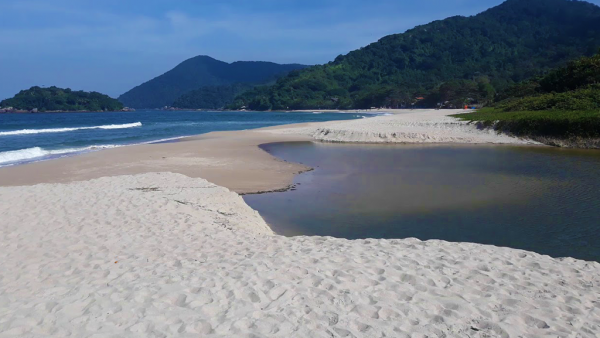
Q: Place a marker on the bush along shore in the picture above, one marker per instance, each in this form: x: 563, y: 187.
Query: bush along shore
x: 561, y: 108
x: 571, y: 129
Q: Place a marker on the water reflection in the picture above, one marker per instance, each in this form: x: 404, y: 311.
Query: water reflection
x: 539, y: 199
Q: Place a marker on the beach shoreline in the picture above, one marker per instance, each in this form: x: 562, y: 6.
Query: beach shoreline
x: 155, y: 240
x: 162, y: 254
x: 233, y: 159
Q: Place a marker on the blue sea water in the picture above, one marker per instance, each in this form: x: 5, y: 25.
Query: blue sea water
x: 33, y: 137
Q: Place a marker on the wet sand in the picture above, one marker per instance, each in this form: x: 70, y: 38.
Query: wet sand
x: 232, y: 159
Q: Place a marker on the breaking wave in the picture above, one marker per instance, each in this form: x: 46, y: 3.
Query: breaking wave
x: 22, y: 155
x: 63, y: 130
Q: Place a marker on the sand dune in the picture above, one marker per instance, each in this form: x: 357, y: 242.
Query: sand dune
x: 165, y: 255
x: 406, y: 126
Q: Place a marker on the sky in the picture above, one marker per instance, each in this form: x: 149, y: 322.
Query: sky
x: 111, y: 46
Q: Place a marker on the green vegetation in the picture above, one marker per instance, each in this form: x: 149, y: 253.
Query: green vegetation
x: 58, y: 99
x: 573, y: 87
x: 199, y: 72
x: 581, y: 99
x: 212, y: 97
x: 551, y: 124
x: 564, y: 104
x: 453, y: 61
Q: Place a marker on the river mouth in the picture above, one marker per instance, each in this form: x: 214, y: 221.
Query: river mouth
x: 540, y: 199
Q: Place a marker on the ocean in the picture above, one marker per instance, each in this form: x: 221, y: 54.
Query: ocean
x: 34, y: 137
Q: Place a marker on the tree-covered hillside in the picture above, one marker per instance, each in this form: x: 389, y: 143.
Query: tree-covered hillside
x: 58, y: 99
x: 457, y: 59
x: 560, y: 108
x: 198, y: 72
x: 573, y: 87
x: 211, y: 97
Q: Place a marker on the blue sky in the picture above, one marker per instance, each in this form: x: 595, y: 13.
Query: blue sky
x: 111, y: 46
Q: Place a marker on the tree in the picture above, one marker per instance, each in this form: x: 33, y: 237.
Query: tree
x: 486, y: 53
x: 54, y: 98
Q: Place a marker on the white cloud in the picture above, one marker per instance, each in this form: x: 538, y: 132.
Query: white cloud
x: 64, y: 28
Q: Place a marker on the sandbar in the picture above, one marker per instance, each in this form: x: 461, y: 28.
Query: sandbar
x: 155, y: 241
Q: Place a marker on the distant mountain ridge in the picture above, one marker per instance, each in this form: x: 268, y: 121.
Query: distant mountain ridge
x: 482, y: 54
x: 197, y: 72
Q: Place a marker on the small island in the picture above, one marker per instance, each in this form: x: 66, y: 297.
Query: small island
x: 54, y: 99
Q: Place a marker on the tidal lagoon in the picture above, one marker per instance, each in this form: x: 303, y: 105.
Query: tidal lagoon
x: 540, y: 199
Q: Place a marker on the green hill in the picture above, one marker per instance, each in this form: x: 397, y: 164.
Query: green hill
x: 198, y: 72
x: 560, y: 108
x: 211, y: 97
x: 457, y: 59
x: 58, y: 99
x: 573, y: 87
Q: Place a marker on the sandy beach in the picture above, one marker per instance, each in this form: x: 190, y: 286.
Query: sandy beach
x: 155, y: 241
x: 232, y: 159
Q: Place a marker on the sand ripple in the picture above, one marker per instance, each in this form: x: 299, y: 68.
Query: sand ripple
x: 164, y: 255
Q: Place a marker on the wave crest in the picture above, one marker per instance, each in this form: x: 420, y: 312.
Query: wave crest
x: 21, y: 155
x: 63, y: 130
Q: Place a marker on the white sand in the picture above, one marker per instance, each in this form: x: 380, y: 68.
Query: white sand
x: 406, y: 126
x: 164, y: 255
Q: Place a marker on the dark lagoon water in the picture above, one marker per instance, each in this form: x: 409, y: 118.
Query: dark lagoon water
x: 33, y: 137
x: 544, y: 200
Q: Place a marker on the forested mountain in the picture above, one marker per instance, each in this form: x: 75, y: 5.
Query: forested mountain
x: 561, y: 108
x: 58, y: 99
x: 457, y: 59
x: 198, y: 72
x: 211, y: 97
x: 573, y: 87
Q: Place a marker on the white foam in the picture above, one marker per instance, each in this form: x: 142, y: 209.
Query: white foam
x: 36, y: 153
x: 162, y: 140
x: 63, y: 130
x: 21, y: 155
